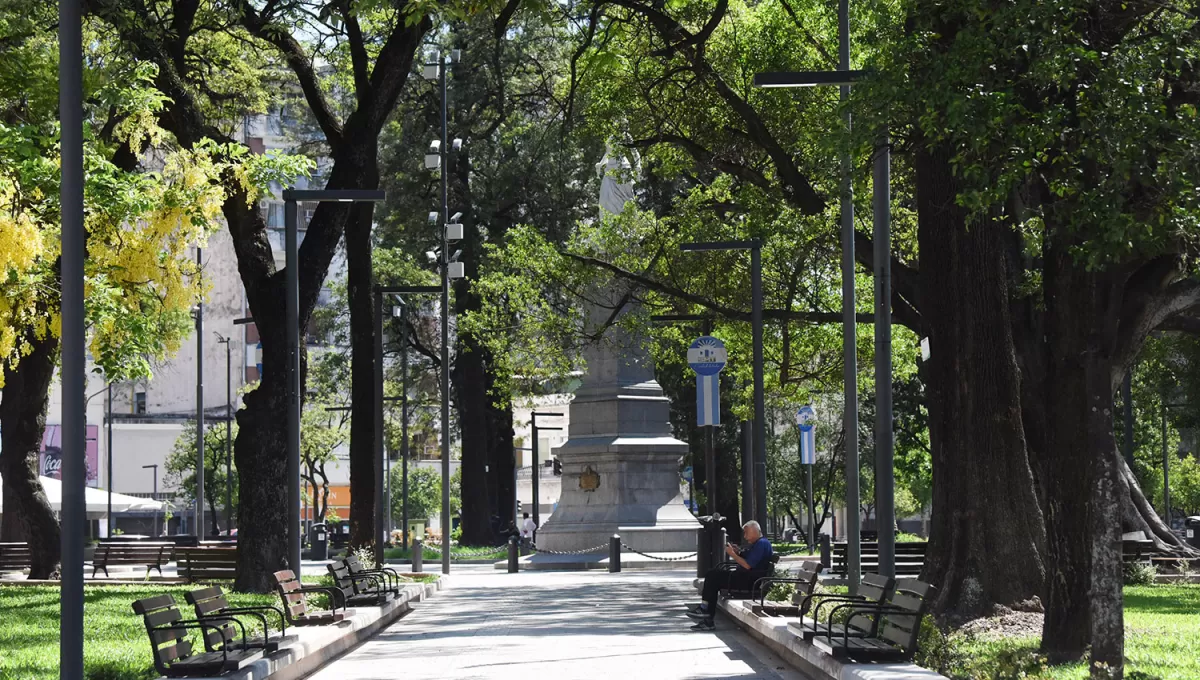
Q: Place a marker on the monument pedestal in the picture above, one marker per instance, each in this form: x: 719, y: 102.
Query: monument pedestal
x: 620, y: 473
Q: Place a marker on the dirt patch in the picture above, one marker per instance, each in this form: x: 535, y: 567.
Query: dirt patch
x: 1005, y: 625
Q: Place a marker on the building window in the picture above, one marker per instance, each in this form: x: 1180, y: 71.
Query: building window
x: 139, y: 402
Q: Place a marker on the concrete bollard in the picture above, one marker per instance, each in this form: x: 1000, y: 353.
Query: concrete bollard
x: 513, y: 550
x: 418, y: 555
x: 614, y: 554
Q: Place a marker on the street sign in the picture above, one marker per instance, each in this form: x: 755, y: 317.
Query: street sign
x: 806, y: 420
x: 707, y: 357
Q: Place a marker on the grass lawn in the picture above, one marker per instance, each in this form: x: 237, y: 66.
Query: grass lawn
x: 116, y: 645
x: 116, y: 648
x: 1162, y: 640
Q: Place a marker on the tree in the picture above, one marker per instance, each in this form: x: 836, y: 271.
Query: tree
x: 141, y: 226
x: 180, y: 469
x: 519, y: 163
x: 322, y: 433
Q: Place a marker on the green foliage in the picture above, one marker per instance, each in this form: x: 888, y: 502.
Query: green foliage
x: 424, y: 493
x: 179, y: 469
x: 1138, y: 573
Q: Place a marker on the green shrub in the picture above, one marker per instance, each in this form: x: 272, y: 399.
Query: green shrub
x: 1138, y: 573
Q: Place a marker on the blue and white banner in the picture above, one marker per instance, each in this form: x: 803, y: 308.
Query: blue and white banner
x: 707, y: 357
x: 708, y: 400
x: 808, y: 445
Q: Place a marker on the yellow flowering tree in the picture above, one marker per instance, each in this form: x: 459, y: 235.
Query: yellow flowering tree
x: 147, y: 206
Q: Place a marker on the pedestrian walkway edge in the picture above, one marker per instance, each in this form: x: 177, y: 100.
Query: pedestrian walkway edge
x: 318, y: 645
x: 773, y: 632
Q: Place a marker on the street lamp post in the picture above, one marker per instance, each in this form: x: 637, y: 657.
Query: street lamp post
x: 380, y: 291
x: 200, y: 401
x: 884, y: 454
x: 440, y: 151
x: 292, y: 304
x: 536, y: 464
x: 758, y: 475
x: 154, y: 469
x: 228, y: 433
x: 109, y: 455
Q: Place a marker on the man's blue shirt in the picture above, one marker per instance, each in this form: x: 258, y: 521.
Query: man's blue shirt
x: 756, y: 555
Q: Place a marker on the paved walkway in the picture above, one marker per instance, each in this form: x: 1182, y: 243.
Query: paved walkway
x: 558, y: 625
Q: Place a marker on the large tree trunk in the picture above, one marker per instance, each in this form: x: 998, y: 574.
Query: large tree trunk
x: 27, y: 513
x: 1084, y: 604
x: 986, y: 535
x: 487, y: 441
x: 360, y: 282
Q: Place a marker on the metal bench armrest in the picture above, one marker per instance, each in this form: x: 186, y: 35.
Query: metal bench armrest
x: 324, y: 589
x: 201, y: 625
x: 259, y: 609
x: 826, y: 598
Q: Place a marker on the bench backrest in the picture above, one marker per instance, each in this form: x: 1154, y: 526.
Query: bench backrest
x: 15, y: 556
x: 809, y: 572
x: 873, y: 589
x: 169, y: 644
x: 340, y: 571
x: 209, y: 602
x: 207, y: 562
x: 354, y: 565
x: 903, y: 629
x: 294, y: 603
x: 133, y: 553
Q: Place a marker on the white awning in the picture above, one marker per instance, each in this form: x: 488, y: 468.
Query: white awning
x: 96, y: 500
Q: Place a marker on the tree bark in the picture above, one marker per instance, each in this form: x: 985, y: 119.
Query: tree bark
x: 27, y: 513
x: 986, y: 535
x: 1083, y: 487
x: 360, y: 284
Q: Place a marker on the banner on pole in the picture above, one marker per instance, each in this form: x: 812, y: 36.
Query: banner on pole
x: 806, y: 420
x: 707, y: 357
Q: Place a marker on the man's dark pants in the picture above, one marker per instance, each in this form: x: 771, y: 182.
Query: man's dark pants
x: 717, y: 580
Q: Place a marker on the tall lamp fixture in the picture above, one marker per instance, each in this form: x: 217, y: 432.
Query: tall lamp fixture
x: 436, y: 159
x: 885, y: 511
x: 228, y: 433
x: 292, y: 302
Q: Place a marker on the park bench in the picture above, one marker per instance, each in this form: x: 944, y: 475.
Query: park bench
x: 896, y: 626
x: 210, y: 604
x: 910, y: 558
x: 873, y: 591
x: 140, y: 553
x: 15, y: 557
x: 391, y: 577
x: 173, y: 652
x: 363, y: 589
x: 207, y: 563
x: 1135, y: 547
x: 755, y: 590
x: 295, y: 603
x: 805, y: 581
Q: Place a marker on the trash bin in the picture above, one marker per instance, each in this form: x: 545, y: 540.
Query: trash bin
x: 1191, y: 531
x: 319, y: 539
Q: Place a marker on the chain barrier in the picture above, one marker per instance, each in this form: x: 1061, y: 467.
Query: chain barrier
x: 602, y: 547
x: 655, y: 557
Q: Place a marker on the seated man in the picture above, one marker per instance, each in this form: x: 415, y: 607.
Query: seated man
x: 753, y: 563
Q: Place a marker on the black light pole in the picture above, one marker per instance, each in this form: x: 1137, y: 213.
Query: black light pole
x: 200, y: 401
x: 844, y: 77
x: 380, y: 291
x: 292, y: 303
x: 110, y: 461
x: 442, y: 152
x: 154, y: 469
x: 536, y: 464
x: 758, y: 489
x: 228, y: 433
x: 74, y: 345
